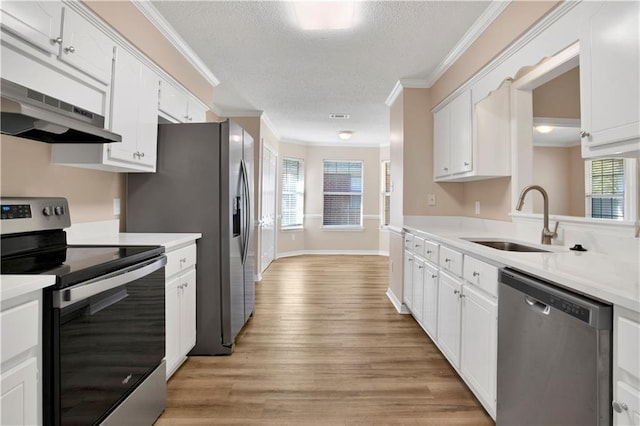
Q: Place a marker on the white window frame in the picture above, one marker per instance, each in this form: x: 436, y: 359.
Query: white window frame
x: 299, y: 196
x: 386, y: 165
x: 361, y: 194
x: 630, y: 190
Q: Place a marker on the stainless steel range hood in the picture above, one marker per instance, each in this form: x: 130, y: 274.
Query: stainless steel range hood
x: 30, y: 114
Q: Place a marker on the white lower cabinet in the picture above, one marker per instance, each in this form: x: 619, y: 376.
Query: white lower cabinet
x: 417, y: 282
x: 449, y: 307
x: 407, y: 285
x: 626, y: 367
x: 479, y: 340
x: 180, y: 306
x: 19, y: 399
x: 430, y: 300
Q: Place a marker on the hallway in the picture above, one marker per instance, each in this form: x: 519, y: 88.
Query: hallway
x: 325, y: 346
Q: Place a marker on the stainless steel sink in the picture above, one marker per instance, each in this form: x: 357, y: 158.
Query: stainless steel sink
x: 508, y: 246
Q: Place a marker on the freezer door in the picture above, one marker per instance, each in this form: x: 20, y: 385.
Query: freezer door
x: 249, y: 263
x: 233, y: 306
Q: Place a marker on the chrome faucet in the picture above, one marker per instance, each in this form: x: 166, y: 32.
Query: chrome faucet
x: 547, y: 234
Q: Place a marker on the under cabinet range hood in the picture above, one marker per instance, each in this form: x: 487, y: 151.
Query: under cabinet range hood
x: 30, y: 114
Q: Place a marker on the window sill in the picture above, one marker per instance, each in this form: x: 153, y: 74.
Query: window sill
x: 342, y: 228
x: 292, y: 228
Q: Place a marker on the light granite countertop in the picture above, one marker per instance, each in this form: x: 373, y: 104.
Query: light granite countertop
x: 611, y: 278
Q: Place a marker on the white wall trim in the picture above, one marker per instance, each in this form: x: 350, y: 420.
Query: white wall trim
x: 152, y: 14
x: 332, y: 253
x: 507, y: 53
x: 479, y: 26
x: 396, y: 303
x: 405, y: 83
x: 236, y: 112
x: 267, y: 122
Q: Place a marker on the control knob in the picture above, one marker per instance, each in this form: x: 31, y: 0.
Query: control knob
x: 47, y: 211
x: 59, y: 210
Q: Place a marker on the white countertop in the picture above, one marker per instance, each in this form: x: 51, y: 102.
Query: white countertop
x: 16, y: 285
x: 610, y: 278
x: 169, y: 240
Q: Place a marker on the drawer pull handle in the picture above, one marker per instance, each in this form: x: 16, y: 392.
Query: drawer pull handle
x: 447, y: 260
x: 476, y: 274
x: 619, y: 407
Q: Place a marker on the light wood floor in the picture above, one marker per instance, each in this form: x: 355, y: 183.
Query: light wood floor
x: 325, y: 346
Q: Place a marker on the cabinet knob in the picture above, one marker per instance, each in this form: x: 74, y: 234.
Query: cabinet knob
x: 584, y: 134
x: 57, y: 40
x: 619, y: 407
x: 476, y: 274
x: 466, y: 163
x: 183, y: 260
x: 410, y: 260
x: 434, y: 276
x: 141, y: 154
x: 70, y: 49
x: 417, y: 245
x: 446, y: 169
x: 447, y: 260
x: 420, y: 266
x: 456, y: 291
x: 461, y: 295
x: 429, y: 252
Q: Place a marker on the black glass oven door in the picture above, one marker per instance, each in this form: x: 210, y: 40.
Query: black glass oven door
x: 106, y: 336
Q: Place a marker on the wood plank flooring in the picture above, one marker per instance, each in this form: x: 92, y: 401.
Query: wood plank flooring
x: 325, y: 346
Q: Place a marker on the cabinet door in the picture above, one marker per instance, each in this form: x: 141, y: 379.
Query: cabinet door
x: 187, y: 312
x: 430, y: 300
x: 124, y: 106
x: 38, y: 22
x: 441, y: 142
x: 147, y: 117
x: 195, y: 112
x: 19, y: 399
x: 610, y: 74
x: 449, y: 290
x: 173, y: 102
x: 461, y: 154
x: 85, y: 47
x: 630, y: 397
x: 172, y: 327
x: 417, y: 298
x: 479, y: 337
x: 407, y: 288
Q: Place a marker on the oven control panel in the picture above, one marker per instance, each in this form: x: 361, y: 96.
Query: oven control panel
x: 22, y: 214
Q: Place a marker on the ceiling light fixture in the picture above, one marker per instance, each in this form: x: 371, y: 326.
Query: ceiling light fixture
x: 324, y: 15
x: 345, y: 134
x: 543, y: 129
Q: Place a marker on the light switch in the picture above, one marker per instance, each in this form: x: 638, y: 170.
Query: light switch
x: 431, y: 199
x: 477, y: 207
x: 116, y: 206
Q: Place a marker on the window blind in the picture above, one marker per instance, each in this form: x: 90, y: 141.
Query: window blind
x: 292, y: 193
x: 342, y: 193
x: 607, y: 188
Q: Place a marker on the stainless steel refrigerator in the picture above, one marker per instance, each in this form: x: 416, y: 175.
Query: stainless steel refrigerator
x: 204, y: 183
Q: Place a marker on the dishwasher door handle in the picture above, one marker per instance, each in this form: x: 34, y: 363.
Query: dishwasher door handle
x: 538, y: 306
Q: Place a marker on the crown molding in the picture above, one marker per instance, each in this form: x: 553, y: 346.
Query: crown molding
x: 158, y: 21
x: 405, y: 83
x: 479, y: 26
x: 267, y: 122
x: 226, y: 113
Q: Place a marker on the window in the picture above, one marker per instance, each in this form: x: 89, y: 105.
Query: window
x: 605, y: 188
x: 342, y: 193
x: 386, y: 192
x: 292, y: 193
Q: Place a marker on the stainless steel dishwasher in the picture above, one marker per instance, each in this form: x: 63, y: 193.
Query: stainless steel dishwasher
x: 554, y: 355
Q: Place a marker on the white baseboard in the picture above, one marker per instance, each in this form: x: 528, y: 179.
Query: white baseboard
x: 333, y: 252
x: 396, y: 303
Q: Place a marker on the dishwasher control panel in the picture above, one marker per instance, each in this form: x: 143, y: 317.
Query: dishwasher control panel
x: 570, y: 308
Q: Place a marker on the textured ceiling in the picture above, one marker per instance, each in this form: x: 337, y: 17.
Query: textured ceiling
x: 264, y: 62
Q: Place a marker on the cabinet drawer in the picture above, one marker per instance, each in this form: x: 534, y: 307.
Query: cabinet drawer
x: 418, y: 246
x: 20, y: 327
x: 628, y: 341
x: 408, y: 241
x: 481, y: 274
x: 450, y: 260
x: 180, y: 260
x: 431, y: 251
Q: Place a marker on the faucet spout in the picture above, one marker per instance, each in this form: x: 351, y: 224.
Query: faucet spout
x: 547, y: 234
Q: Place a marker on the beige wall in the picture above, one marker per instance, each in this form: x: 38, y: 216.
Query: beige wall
x: 125, y: 18
x: 560, y: 97
x: 313, y: 237
x: 396, y: 114
x: 26, y: 171
x: 560, y: 171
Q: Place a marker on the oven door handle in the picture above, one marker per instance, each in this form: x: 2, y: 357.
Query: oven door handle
x: 68, y: 296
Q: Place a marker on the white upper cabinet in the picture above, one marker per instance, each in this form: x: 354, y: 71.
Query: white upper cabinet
x: 38, y: 22
x: 134, y: 112
x: 472, y: 142
x: 610, y: 81
x: 179, y: 106
x: 85, y: 47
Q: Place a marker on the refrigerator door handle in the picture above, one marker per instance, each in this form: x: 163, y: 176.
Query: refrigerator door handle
x: 247, y: 214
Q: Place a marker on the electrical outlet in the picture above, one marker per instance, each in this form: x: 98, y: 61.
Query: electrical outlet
x: 293, y: 236
x: 431, y: 199
x: 116, y: 206
x: 477, y: 207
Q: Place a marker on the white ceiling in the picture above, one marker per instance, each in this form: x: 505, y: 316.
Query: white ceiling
x: 265, y: 63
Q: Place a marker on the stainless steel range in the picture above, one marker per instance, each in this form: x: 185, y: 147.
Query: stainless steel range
x: 104, y: 319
